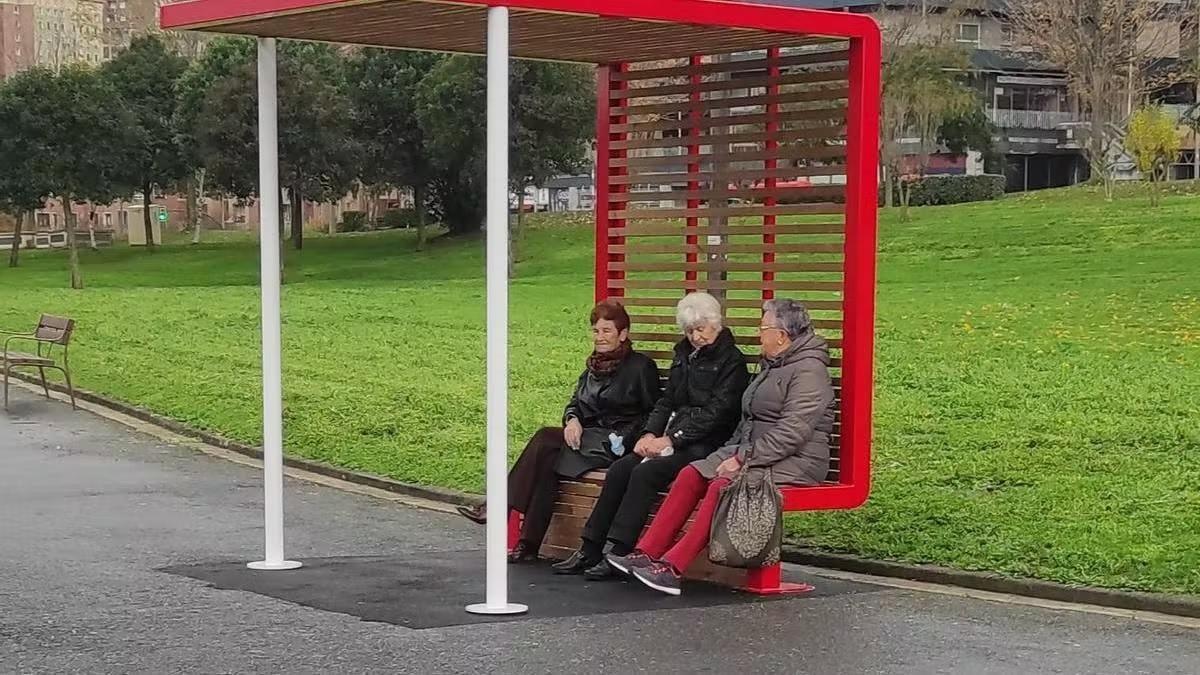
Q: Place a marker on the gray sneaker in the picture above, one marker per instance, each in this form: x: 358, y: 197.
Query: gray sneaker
x: 626, y: 563
x: 660, y: 577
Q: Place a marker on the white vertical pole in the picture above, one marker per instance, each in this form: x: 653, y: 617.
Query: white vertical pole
x: 497, y: 318
x: 268, y: 196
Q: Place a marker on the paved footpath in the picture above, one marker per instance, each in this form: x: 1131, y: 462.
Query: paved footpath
x: 91, y: 512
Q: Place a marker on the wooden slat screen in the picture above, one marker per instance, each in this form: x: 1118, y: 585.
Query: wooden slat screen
x: 726, y: 174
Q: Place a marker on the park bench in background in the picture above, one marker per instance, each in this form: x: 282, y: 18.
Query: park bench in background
x: 51, y: 331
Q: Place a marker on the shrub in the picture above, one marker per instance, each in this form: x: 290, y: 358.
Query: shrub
x: 353, y: 221
x: 399, y: 219
x: 937, y: 190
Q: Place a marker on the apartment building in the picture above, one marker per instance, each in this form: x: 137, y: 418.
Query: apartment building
x: 1038, y: 122
x: 50, y: 33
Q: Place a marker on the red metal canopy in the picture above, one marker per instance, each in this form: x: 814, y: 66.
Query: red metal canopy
x: 586, y: 31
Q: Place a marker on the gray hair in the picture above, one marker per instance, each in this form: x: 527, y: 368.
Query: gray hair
x: 792, y: 316
x: 698, y: 309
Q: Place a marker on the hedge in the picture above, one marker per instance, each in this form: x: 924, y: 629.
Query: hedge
x: 937, y: 190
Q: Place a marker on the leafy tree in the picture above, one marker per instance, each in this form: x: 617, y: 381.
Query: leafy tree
x: 24, y: 187
x: 317, y: 152
x: 923, y: 89
x: 551, y: 126
x: 73, y: 132
x: 381, y: 85
x: 970, y: 130
x: 146, y: 76
x: 218, y: 59
x: 1153, y: 140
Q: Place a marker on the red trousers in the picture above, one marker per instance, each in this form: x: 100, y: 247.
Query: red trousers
x: 688, y: 490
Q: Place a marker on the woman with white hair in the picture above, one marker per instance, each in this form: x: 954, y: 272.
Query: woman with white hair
x: 697, y: 412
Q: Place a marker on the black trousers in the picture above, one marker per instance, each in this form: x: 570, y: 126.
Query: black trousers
x: 533, y: 484
x: 630, y: 489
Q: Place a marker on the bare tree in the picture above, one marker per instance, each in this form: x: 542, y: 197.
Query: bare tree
x: 1112, y: 53
x: 913, y: 32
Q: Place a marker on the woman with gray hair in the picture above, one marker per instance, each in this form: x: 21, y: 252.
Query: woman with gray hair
x: 787, y: 417
x: 696, y: 413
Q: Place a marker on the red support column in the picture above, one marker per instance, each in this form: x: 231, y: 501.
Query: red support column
x: 608, y: 229
x: 769, y: 581
x: 696, y: 117
x: 768, y: 257
x: 858, y: 291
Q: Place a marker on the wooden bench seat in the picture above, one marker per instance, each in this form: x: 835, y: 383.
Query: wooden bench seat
x: 574, y: 504
x: 23, y: 359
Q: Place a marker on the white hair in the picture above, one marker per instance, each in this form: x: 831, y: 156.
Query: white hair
x: 698, y: 309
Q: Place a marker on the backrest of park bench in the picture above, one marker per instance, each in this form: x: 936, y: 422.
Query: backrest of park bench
x: 736, y: 174
x: 54, y: 329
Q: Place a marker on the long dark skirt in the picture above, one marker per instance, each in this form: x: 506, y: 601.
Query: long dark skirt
x: 533, y: 480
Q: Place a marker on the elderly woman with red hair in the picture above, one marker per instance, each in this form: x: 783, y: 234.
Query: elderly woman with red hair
x: 612, y: 399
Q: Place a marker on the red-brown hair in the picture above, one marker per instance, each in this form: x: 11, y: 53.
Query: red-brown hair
x: 612, y: 310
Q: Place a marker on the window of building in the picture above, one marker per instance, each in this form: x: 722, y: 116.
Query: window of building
x: 968, y: 33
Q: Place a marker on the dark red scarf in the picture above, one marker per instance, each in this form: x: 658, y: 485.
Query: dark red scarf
x: 608, y: 362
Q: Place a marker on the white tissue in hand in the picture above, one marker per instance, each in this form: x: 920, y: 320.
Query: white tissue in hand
x: 617, y: 443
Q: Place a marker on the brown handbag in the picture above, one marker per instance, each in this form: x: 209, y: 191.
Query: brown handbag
x: 747, y: 528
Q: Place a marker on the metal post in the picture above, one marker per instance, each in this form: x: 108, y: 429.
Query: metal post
x: 268, y: 195
x: 497, y: 318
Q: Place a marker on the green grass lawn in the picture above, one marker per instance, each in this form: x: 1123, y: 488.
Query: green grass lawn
x: 1037, y: 409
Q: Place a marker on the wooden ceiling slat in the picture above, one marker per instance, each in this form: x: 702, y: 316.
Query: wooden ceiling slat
x: 439, y: 26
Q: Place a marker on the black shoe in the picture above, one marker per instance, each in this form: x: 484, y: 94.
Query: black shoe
x: 475, y: 514
x: 522, y: 553
x: 600, y: 571
x: 576, y: 564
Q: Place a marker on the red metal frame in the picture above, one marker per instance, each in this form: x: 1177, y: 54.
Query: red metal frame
x: 606, y: 87
x: 858, y: 286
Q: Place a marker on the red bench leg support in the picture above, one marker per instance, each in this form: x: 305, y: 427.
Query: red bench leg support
x: 514, y: 529
x: 769, y: 581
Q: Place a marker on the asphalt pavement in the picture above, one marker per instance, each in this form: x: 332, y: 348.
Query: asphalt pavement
x: 121, y: 553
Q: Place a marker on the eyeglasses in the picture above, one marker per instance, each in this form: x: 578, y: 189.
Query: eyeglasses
x: 763, y: 329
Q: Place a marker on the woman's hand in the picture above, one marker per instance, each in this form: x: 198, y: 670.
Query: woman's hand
x: 573, y: 434
x: 649, y: 446
x: 729, y: 467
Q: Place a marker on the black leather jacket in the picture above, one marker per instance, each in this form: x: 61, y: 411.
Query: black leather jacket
x: 701, y: 405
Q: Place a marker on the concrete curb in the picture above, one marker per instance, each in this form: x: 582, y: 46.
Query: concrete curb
x: 370, y: 480
x: 1177, y: 605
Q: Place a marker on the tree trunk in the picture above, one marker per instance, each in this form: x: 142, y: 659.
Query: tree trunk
x: 199, y: 204
x: 14, y: 254
x: 191, y: 202
x: 514, y: 233
x: 905, y: 196
x: 297, y: 218
x: 1196, y: 153
x: 92, y: 227
x: 419, y: 205
x: 72, y: 252
x: 147, y: 222
x: 282, y: 239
